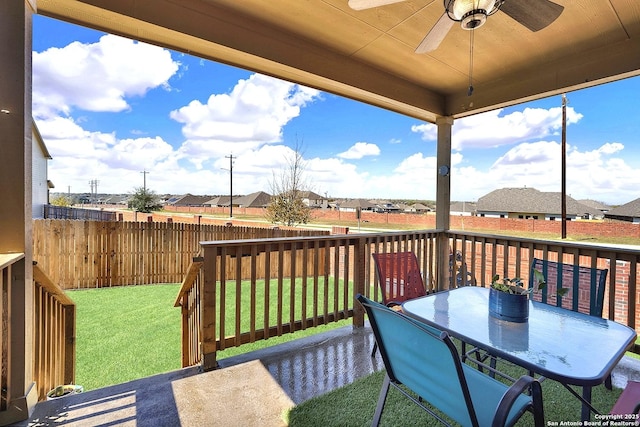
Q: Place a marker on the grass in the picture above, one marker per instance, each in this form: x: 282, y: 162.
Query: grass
x: 126, y: 333
x: 353, y: 405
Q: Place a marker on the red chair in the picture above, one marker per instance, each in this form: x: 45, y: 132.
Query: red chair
x: 400, y: 279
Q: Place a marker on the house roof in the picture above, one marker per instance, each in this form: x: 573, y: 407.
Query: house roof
x: 463, y: 206
x: 357, y: 203
x: 190, y: 200
x: 218, y: 201
x: 259, y: 199
x: 369, y: 55
x: 311, y: 195
x: 41, y: 144
x: 420, y: 207
x: 631, y: 209
x: 594, y: 204
x: 530, y: 200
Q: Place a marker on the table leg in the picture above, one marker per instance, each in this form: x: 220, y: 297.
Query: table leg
x: 586, y: 411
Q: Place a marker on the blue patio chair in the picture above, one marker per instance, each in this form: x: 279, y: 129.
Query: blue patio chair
x: 585, y: 286
x: 426, y: 362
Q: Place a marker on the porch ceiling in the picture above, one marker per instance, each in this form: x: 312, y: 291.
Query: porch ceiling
x: 369, y: 55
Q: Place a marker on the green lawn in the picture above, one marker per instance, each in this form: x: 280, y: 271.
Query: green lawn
x: 126, y: 333
x: 354, y: 405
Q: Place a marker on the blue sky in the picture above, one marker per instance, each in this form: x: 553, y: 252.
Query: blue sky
x: 109, y: 108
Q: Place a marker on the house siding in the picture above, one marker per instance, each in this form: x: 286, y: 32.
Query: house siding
x: 39, y: 187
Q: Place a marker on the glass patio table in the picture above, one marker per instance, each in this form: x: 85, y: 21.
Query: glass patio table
x: 566, y: 346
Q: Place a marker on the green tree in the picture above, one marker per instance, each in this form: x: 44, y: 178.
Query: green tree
x: 60, y: 200
x: 144, y: 200
x: 287, y: 187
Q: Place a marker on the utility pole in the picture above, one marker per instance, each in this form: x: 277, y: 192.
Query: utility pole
x: 94, y: 190
x: 230, y: 184
x: 144, y: 181
x: 564, y: 166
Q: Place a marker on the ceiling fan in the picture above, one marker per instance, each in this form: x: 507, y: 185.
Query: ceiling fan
x: 533, y: 14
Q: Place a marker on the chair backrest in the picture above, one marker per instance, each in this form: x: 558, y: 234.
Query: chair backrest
x: 399, y: 276
x: 422, y: 358
x: 585, y: 286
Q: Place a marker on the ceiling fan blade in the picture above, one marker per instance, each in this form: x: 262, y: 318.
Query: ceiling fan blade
x: 535, y: 15
x: 368, y: 4
x: 435, y: 35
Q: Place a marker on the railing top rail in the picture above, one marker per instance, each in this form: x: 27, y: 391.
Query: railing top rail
x: 189, y: 279
x: 352, y: 237
x: 628, y: 249
x: 56, y: 291
x: 8, y: 259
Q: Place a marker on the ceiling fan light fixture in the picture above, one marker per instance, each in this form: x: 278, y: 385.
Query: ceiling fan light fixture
x: 474, y: 19
x: 471, y: 13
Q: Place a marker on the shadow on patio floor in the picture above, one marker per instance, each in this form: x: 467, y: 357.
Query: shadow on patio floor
x: 253, y: 389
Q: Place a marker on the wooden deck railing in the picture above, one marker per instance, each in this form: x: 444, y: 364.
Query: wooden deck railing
x: 189, y: 300
x: 304, y: 282
x: 54, y: 335
x: 313, y: 280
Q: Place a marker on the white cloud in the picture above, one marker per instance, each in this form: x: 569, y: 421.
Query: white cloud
x: 255, y: 110
x: 493, y: 129
x: 593, y: 174
x: 360, y: 150
x: 98, y: 76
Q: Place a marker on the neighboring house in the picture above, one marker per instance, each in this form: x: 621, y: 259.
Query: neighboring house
x: 629, y: 212
x: 313, y: 200
x: 385, y: 206
x: 40, y: 184
x: 355, y: 204
x: 419, y: 208
x: 529, y: 203
x: 463, y: 208
x: 189, y: 200
x: 220, y: 201
x: 117, y: 199
x: 259, y: 199
x: 594, y: 204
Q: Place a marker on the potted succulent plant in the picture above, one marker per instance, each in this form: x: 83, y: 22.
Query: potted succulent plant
x: 509, y: 298
x: 64, y: 390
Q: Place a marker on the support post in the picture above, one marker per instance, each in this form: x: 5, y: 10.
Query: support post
x: 19, y: 392
x: 443, y: 200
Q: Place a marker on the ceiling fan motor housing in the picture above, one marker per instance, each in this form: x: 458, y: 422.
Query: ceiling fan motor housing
x: 471, y: 13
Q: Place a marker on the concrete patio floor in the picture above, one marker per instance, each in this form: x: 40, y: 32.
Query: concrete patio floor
x: 254, y: 389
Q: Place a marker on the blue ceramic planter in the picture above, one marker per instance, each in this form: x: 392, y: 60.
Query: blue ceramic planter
x: 510, y: 307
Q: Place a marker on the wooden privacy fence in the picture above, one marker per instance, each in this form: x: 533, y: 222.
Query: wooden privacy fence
x: 90, y: 254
